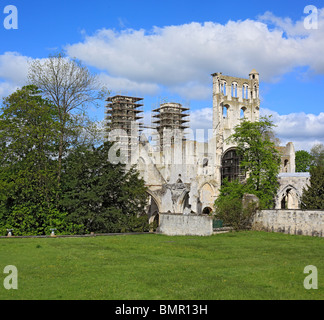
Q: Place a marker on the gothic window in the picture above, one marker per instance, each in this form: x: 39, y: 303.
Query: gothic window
x: 225, y: 110
x: 231, y: 166
x: 245, y: 91
x: 234, y: 90
x: 224, y: 88
x: 242, y: 112
x: 207, y: 210
x: 286, y: 165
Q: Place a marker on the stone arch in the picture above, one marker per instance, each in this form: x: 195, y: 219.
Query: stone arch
x: 225, y: 110
x: 234, y: 89
x: 245, y: 91
x: 183, y: 203
x: 205, y: 162
x: 207, y: 210
x: 154, y: 205
x: 289, y: 198
x: 223, y: 87
x: 154, y: 221
x: 243, y: 113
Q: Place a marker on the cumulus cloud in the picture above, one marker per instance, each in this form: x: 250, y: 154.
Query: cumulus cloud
x: 122, y: 85
x: 13, y: 67
x: 201, y: 119
x: 182, y: 57
x: 13, y: 72
x: 303, y: 129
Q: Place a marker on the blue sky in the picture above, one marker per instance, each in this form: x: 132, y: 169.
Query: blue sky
x: 168, y: 49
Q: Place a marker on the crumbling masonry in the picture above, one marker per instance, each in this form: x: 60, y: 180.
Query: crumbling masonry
x: 183, y: 176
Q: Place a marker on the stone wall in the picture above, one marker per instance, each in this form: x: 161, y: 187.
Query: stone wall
x: 181, y: 225
x: 300, y: 222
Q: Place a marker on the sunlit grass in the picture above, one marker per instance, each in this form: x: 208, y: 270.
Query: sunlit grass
x: 243, y: 265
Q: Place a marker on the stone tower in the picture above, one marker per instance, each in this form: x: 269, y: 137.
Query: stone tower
x: 124, y: 114
x: 171, y: 119
x: 233, y: 99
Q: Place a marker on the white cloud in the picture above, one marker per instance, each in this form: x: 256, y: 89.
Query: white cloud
x: 182, y: 57
x: 201, y: 119
x: 6, y: 88
x: 13, y: 67
x: 13, y: 72
x: 304, y: 130
x: 124, y: 86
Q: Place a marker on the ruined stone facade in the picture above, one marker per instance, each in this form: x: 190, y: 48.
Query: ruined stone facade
x: 184, y: 176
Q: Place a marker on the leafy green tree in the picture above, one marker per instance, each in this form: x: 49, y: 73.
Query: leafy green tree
x: 28, y: 166
x: 317, y: 155
x: 313, y: 196
x: 260, y: 159
x: 102, y: 196
x: 302, y: 161
x: 229, y: 206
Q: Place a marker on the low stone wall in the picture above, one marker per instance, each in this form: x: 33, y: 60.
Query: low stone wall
x: 182, y: 225
x: 300, y: 222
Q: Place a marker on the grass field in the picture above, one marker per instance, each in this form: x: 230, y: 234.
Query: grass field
x: 238, y: 265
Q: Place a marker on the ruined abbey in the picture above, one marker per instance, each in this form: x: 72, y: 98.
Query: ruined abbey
x: 183, y: 175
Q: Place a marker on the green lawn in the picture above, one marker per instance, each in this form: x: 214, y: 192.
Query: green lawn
x: 241, y: 265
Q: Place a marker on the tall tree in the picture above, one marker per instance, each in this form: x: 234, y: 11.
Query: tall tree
x: 70, y: 86
x: 28, y: 169
x: 230, y: 207
x: 260, y: 159
x: 302, y: 161
x: 313, y: 196
x: 102, y: 196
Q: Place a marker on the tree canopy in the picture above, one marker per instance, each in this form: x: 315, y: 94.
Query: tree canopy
x: 302, y: 161
x: 28, y: 166
x: 260, y: 158
x: 70, y: 87
x: 93, y: 194
x: 313, y: 196
x: 101, y: 196
x: 261, y: 163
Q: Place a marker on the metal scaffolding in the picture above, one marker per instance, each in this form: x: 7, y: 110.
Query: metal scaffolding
x: 124, y: 113
x: 170, y: 116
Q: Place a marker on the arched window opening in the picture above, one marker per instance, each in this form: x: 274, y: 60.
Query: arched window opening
x: 231, y: 166
x: 225, y: 110
x: 207, y: 210
x: 242, y: 112
x: 245, y: 91
x: 290, y: 199
x: 234, y: 90
x: 153, y: 207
